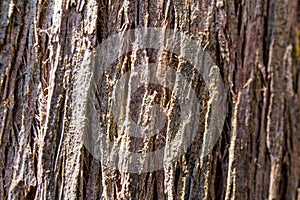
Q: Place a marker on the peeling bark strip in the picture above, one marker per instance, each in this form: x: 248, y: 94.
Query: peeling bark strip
x: 254, y: 43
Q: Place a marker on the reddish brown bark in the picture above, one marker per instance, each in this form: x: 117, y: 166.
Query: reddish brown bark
x: 256, y: 47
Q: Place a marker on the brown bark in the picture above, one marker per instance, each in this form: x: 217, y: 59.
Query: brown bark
x: 256, y: 46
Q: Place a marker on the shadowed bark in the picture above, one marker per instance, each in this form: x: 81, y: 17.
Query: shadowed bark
x: 256, y: 45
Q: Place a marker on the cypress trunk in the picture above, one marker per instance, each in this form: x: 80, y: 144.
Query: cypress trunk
x: 43, y: 47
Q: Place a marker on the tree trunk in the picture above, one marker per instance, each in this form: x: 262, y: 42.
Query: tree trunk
x: 45, y: 51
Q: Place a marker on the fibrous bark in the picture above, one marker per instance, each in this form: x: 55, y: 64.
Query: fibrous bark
x: 255, y: 45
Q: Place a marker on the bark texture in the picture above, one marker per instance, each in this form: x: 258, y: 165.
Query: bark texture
x: 256, y: 45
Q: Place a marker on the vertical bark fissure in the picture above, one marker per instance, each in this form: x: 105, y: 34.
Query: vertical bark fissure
x: 42, y: 45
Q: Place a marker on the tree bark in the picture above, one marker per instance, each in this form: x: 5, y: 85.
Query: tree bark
x: 256, y: 45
